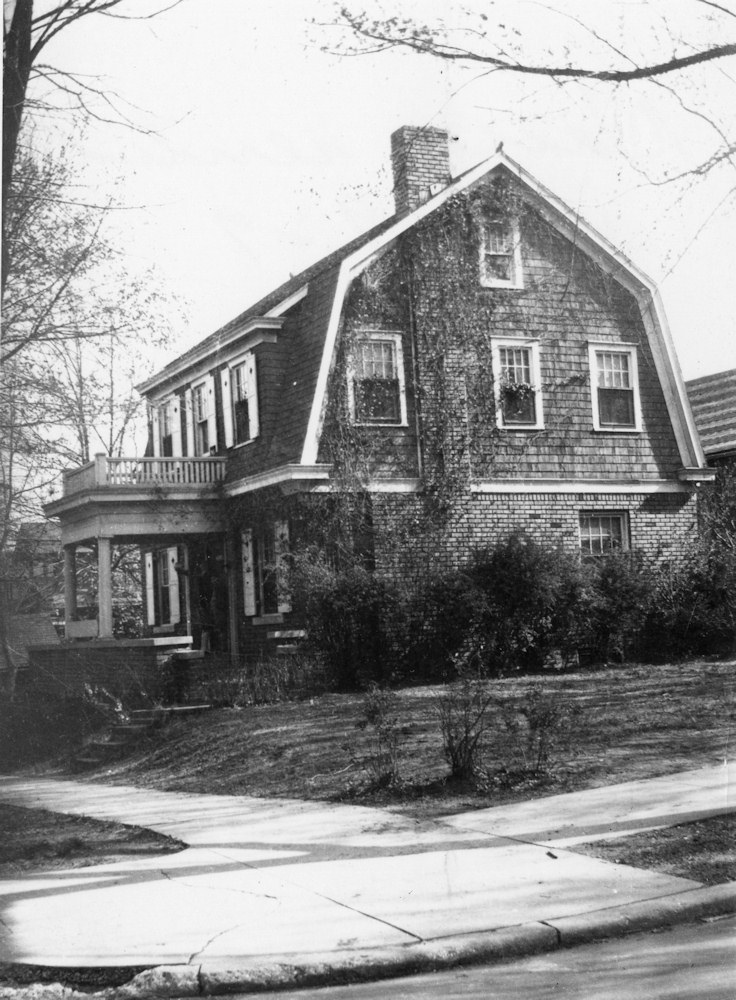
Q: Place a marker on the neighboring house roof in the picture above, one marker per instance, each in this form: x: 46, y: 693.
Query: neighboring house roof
x: 713, y: 399
x: 313, y: 342
x: 23, y: 631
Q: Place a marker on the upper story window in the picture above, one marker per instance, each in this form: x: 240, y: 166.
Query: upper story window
x: 517, y: 384
x: 166, y: 430
x: 200, y: 410
x: 166, y: 419
x: 603, y: 532
x: 615, y: 388
x: 240, y: 401
x: 376, y: 386
x: 245, y: 401
x: 500, y: 254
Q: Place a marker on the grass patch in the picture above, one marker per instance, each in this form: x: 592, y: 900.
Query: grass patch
x: 703, y: 850
x: 35, y: 840
x: 631, y: 722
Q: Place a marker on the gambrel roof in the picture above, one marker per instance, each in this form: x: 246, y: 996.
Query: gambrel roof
x: 317, y: 295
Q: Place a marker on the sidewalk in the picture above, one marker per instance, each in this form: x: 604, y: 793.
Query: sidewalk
x: 285, y: 892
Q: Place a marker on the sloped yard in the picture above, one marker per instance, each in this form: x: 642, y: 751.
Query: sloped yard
x: 631, y: 722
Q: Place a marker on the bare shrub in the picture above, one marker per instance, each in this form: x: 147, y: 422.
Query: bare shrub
x: 464, y: 718
x: 230, y: 683
x: 382, y: 719
x: 539, y: 726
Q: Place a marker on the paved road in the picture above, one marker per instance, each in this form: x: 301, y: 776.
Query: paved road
x: 697, y: 962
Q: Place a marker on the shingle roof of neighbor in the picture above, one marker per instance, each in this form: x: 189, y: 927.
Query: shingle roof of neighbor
x: 713, y: 401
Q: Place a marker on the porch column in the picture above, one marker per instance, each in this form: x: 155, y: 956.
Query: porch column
x: 70, y: 582
x: 104, y: 588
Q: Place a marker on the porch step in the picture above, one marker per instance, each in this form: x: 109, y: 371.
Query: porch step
x: 123, y: 736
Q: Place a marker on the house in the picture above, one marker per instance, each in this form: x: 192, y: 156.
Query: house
x: 481, y: 362
x: 713, y: 400
x: 34, y: 568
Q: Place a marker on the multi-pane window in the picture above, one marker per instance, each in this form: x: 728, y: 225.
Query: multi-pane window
x: 201, y: 420
x: 499, y: 259
x: 245, y: 401
x: 614, y: 377
x: 265, y: 576
x: 517, y: 392
x: 517, y: 383
x: 603, y: 532
x: 377, y: 381
x: 163, y: 582
x: 166, y: 429
x: 241, y: 418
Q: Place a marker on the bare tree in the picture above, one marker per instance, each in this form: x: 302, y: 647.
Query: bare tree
x: 79, y: 331
x: 28, y: 30
x: 657, y: 44
x: 497, y: 50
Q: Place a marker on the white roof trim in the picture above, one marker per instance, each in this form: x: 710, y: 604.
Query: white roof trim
x: 567, y: 221
x: 288, y: 302
x: 291, y: 473
x: 609, y: 487
x: 189, y: 365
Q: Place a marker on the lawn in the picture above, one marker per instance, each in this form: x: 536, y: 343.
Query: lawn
x: 632, y: 722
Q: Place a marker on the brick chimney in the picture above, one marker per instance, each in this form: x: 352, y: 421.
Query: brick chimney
x: 420, y: 158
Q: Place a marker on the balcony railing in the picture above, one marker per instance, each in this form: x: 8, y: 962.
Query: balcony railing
x: 144, y: 473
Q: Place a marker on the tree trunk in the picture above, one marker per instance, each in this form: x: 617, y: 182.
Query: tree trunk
x: 16, y: 70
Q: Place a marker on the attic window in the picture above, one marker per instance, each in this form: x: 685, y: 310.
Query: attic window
x: 500, y: 254
x: 376, y: 380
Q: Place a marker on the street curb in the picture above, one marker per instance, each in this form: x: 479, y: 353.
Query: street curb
x: 271, y: 973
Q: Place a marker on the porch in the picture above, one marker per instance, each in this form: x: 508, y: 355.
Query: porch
x: 167, y: 509
x: 144, y: 473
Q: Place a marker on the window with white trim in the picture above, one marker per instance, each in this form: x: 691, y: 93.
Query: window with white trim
x: 200, y: 409
x: 500, y: 254
x: 265, y: 583
x: 602, y: 532
x: 615, y: 395
x: 517, y: 384
x: 162, y: 587
x: 245, y: 401
x: 166, y: 430
x: 376, y: 386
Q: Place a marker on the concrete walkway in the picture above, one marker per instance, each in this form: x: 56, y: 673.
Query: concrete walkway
x: 269, y: 885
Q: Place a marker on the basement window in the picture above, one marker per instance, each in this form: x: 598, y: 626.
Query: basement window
x: 603, y: 532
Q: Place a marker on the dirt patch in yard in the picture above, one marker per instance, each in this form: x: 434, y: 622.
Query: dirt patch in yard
x: 35, y: 840
x: 704, y: 850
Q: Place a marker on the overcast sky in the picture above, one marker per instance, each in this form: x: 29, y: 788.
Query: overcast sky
x: 270, y: 152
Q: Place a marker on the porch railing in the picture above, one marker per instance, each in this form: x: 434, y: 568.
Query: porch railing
x: 144, y: 473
